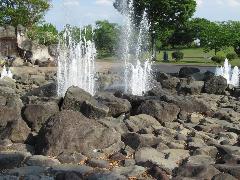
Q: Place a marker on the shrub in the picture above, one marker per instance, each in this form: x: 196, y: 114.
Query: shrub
x: 218, y: 59
x: 177, y: 55
x: 232, y: 56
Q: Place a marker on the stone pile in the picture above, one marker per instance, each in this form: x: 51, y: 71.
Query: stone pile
x: 186, y: 127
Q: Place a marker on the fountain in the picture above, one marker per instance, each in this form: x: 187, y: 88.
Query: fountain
x: 137, y: 74
x: 6, y: 73
x: 231, y: 75
x: 76, y: 63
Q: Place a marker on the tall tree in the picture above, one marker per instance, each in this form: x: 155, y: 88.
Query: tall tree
x: 106, y: 37
x: 163, y: 15
x: 24, y: 12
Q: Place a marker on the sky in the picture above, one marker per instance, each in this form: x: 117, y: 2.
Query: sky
x: 83, y: 12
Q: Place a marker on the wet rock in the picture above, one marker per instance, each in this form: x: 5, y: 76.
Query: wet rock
x: 188, y: 71
x: 38, y: 160
x: 170, y: 83
x: 77, y: 99
x: 216, y: 85
x: 9, y: 146
x: 162, y: 111
x: 117, y: 106
x: 70, y: 131
x: 48, y: 90
x: 129, y: 162
x: 9, y: 160
x: 39, y: 80
x: 37, y: 114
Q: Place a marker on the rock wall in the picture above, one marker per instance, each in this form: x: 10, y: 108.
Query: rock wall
x: 8, y: 41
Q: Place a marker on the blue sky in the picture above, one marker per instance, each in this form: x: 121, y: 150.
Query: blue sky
x: 82, y: 12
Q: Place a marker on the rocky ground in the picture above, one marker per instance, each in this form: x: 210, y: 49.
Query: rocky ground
x: 186, y: 127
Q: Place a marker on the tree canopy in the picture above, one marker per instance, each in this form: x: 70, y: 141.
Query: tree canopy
x: 24, y: 12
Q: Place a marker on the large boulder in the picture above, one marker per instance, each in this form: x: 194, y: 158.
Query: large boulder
x: 140, y: 122
x: 117, y: 106
x: 37, y: 114
x: 162, y: 111
x: 16, y: 130
x: 216, y: 85
x: 192, y: 87
x: 188, y: 71
x: 77, y: 99
x: 70, y: 131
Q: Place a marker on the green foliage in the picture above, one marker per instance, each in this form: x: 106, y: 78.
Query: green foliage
x: 106, y: 38
x: 218, y: 59
x: 231, y: 56
x: 164, y: 16
x: 177, y: 55
x: 45, y: 34
x: 24, y: 12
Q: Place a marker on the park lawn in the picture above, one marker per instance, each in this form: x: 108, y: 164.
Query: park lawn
x: 196, y: 56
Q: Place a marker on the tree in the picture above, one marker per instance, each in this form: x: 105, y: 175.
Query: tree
x: 163, y: 15
x: 25, y: 12
x: 234, y: 28
x: 106, y: 37
x: 215, y: 36
x: 45, y: 34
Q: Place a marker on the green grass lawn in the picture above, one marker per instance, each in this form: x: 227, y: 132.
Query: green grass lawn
x: 196, y: 56
x: 192, y: 56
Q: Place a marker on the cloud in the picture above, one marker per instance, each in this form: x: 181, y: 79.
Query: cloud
x: 230, y: 3
x: 234, y: 3
x: 104, y: 2
x: 199, y: 3
x: 71, y: 2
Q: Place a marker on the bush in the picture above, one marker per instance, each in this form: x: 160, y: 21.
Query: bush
x: 231, y: 56
x: 218, y: 59
x: 177, y: 55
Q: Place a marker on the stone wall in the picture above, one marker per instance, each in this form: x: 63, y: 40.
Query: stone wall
x: 8, y: 41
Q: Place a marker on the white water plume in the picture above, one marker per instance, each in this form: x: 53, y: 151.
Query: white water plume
x: 76, y: 63
x: 231, y: 75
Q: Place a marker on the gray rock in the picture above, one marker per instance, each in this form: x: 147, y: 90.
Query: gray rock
x: 117, y: 106
x: 38, y: 160
x: 70, y: 131
x: 188, y: 71
x: 162, y: 111
x: 39, y: 80
x: 216, y: 85
x: 168, y: 159
x: 28, y: 170
x: 136, y: 141
x: 201, y: 160
x: 98, y: 163
x: 207, y: 150
x: 139, y: 122
x: 129, y: 162
x: 8, y: 177
x: 223, y: 176
x: 9, y: 160
x: 77, y: 99
x: 80, y: 170
x: 197, y: 171
x: 37, y: 114
x: 130, y: 171
x: 17, y: 147
x: 106, y: 176
x: 17, y: 131
x: 192, y: 88
x: 231, y: 169
x: 73, y: 158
